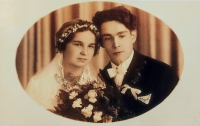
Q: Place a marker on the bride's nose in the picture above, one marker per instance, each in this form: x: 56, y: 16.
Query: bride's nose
x: 84, y: 51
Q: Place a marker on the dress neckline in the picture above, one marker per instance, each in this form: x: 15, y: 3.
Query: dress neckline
x: 82, y: 80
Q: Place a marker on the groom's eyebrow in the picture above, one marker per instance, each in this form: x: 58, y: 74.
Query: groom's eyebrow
x: 121, y: 32
x: 118, y: 33
x: 106, y: 35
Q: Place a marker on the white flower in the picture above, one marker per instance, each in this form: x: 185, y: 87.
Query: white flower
x: 92, y: 96
x: 87, y: 111
x: 77, y: 103
x: 97, y: 116
x: 90, y: 107
x: 93, y: 100
x: 61, y: 40
x: 74, y: 29
x: 73, y: 94
x: 66, y: 34
x: 93, y: 27
x: 95, y: 85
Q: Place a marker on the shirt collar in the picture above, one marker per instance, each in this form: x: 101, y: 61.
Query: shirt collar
x: 126, y: 63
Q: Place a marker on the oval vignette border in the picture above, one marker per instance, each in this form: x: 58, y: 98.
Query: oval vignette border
x: 32, y: 39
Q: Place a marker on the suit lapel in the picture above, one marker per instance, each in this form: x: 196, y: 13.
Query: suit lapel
x: 106, y: 76
x: 133, y: 69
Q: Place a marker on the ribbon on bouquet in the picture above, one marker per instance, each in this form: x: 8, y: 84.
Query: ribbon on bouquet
x: 135, y: 92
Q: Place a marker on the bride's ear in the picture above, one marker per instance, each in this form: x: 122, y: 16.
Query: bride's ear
x: 134, y: 35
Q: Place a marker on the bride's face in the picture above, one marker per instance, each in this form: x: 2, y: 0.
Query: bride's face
x: 80, y: 50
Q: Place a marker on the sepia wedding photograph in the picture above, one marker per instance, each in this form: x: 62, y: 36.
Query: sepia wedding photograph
x: 99, y: 63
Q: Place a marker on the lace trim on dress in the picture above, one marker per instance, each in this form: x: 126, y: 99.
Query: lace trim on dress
x: 77, y: 81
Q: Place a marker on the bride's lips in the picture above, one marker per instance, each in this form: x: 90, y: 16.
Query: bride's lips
x: 82, y: 59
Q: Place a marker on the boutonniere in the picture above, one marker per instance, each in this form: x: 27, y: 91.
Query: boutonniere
x: 138, y: 72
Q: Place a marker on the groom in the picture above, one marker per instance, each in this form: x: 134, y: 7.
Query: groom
x: 136, y: 83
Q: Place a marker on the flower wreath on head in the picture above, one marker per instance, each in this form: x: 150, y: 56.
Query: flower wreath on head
x: 76, y: 26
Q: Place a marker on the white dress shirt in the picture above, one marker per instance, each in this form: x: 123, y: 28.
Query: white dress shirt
x: 119, y: 76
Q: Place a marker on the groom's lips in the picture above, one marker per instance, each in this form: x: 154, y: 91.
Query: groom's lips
x: 117, y: 53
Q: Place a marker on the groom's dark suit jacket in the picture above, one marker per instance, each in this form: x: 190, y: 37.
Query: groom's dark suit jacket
x: 146, y: 74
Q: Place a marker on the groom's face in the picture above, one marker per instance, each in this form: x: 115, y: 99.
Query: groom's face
x: 117, y: 41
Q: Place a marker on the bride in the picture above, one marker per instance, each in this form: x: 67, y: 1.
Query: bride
x: 76, y: 43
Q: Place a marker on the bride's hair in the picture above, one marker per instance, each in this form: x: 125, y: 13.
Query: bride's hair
x: 67, y: 31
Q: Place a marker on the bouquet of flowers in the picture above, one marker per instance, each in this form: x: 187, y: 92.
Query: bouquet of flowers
x: 86, y: 102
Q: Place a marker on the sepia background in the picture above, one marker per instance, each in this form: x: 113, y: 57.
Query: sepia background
x: 37, y: 47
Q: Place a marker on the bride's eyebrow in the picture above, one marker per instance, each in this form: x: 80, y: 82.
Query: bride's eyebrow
x: 92, y: 44
x: 77, y: 41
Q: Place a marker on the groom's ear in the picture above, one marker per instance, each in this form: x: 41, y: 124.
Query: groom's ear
x: 134, y: 35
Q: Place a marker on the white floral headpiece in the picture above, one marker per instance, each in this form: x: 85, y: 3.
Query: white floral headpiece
x: 75, y: 27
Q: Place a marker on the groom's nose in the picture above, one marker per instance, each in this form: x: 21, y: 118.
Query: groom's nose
x: 116, y: 42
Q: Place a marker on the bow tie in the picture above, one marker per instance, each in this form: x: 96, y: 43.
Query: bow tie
x: 114, y: 71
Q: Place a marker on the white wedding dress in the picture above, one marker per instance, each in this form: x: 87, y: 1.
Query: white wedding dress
x: 43, y: 88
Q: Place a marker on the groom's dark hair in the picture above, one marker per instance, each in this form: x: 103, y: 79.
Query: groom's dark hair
x: 120, y: 14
